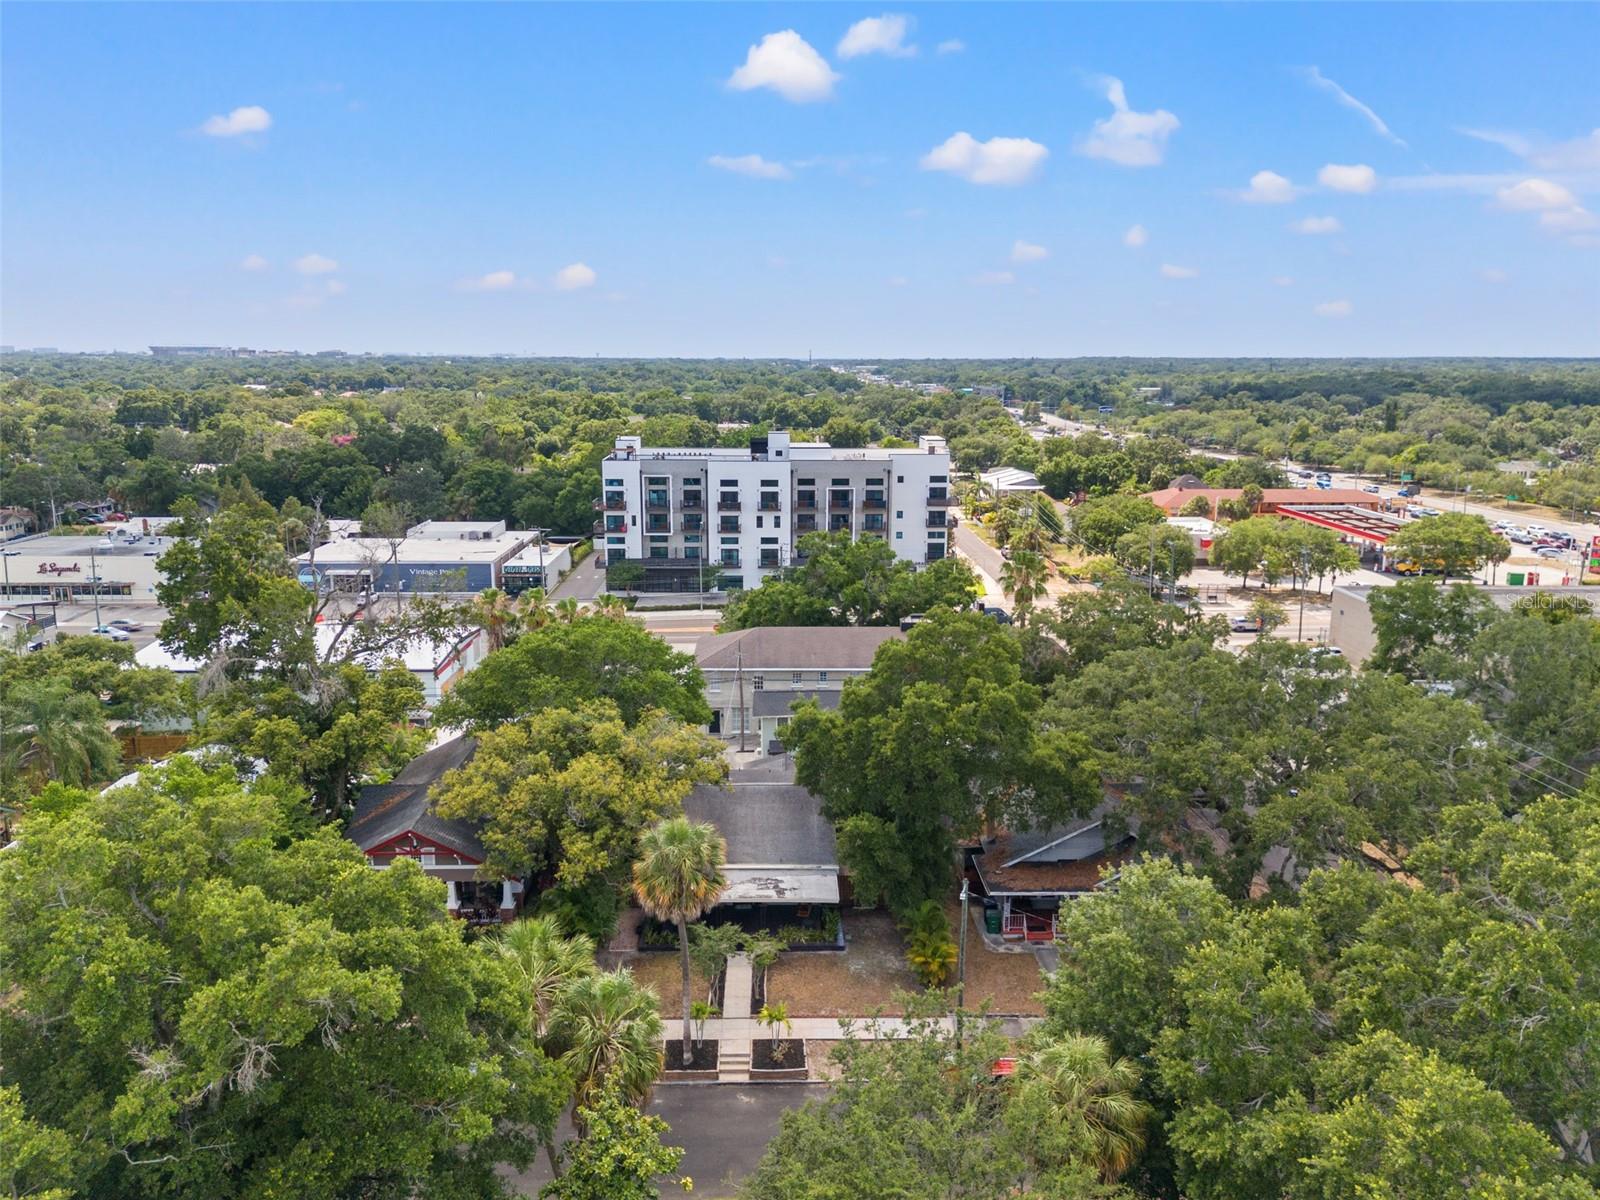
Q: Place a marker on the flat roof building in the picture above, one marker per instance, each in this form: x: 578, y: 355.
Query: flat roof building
x: 1351, y: 628
x: 435, y: 557
x: 711, y: 517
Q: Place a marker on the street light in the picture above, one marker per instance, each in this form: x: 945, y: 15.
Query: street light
x: 961, y: 956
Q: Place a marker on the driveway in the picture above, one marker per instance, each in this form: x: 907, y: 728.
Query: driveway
x: 723, y: 1128
x: 585, y: 581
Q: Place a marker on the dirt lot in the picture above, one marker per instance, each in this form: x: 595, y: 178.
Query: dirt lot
x: 664, y: 973
x: 872, y: 969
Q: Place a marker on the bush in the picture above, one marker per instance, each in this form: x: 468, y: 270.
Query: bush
x: 593, y: 908
x: 930, y: 948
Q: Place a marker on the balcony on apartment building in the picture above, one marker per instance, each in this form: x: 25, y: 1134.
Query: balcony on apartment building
x: 769, y: 558
x: 873, y: 500
x: 728, y: 525
x: 728, y: 502
x: 612, y: 501
x: 938, y: 520
x: 728, y: 559
x: 692, y: 502
x: 939, y: 498
x: 806, y: 499
x: 770, y: 504
x: 656, y: 500
x: 838, y: 500
x: 805, y: 523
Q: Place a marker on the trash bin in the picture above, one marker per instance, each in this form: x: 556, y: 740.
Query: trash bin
x: 991, y: 920
x: 1513, y: 578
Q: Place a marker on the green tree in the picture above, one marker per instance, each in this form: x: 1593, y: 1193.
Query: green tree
x: 935, y: 740
x: 1098, y: 523
x: 1023, y: 577
x: 242, y: 1012
x: 1454, y: 543
x: 611, y: 1031
x: 52, y: 733
x: 98, y: 667
x: 543, y: 963
x: 778, y: 602
x: 1163, y: 552
x: 619, y: 1156
x: 1256, y: 544
x: 567, y: 663
x: 1074, y: 1101
x: 678, y: 877
x: 570, y: 791
x: 844, y: 582
x: 1427, y: 631
x: 38, y: 1159
x: 930, y: 949
x: 1267, y: 613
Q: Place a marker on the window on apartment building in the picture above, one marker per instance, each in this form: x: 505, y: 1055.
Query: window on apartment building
x: 714, y: 684
x: 757, y: 683
x: 692, y: 553
x: 777, y: 522
x: 822, y: 677
x: 797, y: 678
x: 841, y: 483
x: 806, y: 482
x: 938, y: 479
x: 760, y: 522
x: 898, y: 535
x: 875, y: 482
x: 899, y: 478
x: 769, y: 483
x: 730, y: 541
x: 733, y: 483
x: 658, y: 551
x: 899, y: 514
x: 613, y: 483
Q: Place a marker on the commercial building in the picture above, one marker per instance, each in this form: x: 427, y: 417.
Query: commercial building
x: 119, y: 564
x: 540, y: 565
x: 438, y: 663
x: 433, y: 558
x: 1351, y: 628
x: 1202, y: 532
x: 754, y: 676
x: 698, y: 518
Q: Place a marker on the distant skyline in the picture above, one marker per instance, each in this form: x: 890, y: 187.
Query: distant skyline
x: 771, y: 180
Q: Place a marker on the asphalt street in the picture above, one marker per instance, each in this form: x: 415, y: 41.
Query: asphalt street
x: 723, y: 1128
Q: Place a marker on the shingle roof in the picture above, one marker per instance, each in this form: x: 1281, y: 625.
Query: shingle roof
x: 795, y: 648
x: 768, y: 824
x: 386, y: 810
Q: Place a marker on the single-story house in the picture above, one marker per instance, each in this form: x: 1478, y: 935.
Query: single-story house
x: 396, y: 820
x: 782, y: 866
x: 1030, y: 873
x: 752, y: 677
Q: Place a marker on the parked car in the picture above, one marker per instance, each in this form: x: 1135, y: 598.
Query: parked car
x: 1326, y: 652
x: 126, y: 625
x: 1244, y: 624
x: 116, y: 635
x: 999, y: 614
x: 1550, y: 552
x: 116, y: 516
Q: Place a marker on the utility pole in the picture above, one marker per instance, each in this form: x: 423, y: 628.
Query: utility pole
x: 961, y: 957
x: 1305, y: 567
x: 738, y: 671
x: 94, y: 586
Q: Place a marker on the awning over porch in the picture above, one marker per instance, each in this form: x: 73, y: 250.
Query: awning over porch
x: 781, y: 885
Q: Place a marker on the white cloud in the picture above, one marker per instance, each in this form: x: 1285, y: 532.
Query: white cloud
x: 1568, y: 220
x: 1136, y: 236
x: 1493, y: 275
x: 254, y: 262
x: 789, y: 65
x: 252, y: 118
x: 1168, y: 271
x: 1579, y: 154
x: 1532, y: 195
x: 752, y: 165
x: 315, y: 264
x: 950, y: 46
x: 1317, y: 79
x: 1026, y: 252
x: 878, y: 35
x: 574, y: 276
x: 1268, y: 187
x: 1006, y: 161
x: 1334, y: 308
x: 494, y: 281
x: 1317, y: 225
x: 1283, y: 281
x: 1437, y: 182
x: 336, y: 287
x: 994, y: 278
x: 1355, y: 178
x: 1128, y: 138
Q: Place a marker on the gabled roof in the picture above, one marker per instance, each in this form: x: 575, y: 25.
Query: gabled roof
x: 384, y: 811
x: 766, y: 824
x: 1060, y: 859
x: 795, y: 648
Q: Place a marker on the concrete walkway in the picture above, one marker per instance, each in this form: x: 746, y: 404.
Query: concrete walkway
x: 736, y: 1030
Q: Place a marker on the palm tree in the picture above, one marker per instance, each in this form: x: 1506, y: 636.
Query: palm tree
x: 679, y: 876
x: 611, y: 1028
x: 545, y: 964
x: 496, y: 613
x: 1087, y: 1099
x: 533, y: 609
x: 50, y: 732
x: 1023, y: 577
x: 567, y: 611
x: 609, y: 606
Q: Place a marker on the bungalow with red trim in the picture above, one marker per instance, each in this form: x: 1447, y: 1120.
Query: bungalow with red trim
x: 397, y: 820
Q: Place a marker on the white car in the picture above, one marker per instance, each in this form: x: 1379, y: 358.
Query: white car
x: 116, y: 635
x: 1550, y: 552
x: 126, y: 625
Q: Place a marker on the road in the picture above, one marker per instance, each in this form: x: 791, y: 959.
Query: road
x: 680, y: 628
x: 723, y: 1128
x: 584, y: 582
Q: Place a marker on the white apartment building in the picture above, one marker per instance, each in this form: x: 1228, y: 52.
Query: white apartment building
x: 693, y: 516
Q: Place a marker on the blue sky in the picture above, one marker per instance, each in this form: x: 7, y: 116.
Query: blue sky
x: 777, y: 179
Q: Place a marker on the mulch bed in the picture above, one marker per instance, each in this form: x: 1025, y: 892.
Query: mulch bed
x: 765, y: 1056
x: 703, y: 1056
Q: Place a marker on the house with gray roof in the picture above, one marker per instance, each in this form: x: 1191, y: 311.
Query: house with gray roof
x: 782, y: 865
x: 397, y: 820
x: 753, y: 677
